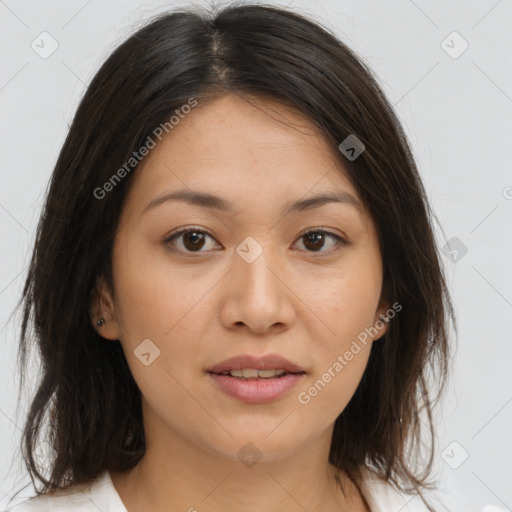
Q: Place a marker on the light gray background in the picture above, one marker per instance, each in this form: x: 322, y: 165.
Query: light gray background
x: 457, y: 113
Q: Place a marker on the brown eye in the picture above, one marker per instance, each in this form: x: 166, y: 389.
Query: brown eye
x: 315, y: 240
x: 190, y: 240
x: 193, y: 240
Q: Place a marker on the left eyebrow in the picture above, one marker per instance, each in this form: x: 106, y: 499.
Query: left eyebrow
x: 212, y: 202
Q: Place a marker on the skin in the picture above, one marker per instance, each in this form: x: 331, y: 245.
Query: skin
x: 305, y: 305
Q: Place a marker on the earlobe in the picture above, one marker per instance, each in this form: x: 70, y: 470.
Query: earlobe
x: 107, y: 329
x: 382, y: 320
x: 102, y: 312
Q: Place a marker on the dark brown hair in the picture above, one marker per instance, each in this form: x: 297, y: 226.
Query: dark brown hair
x: 86, y: 393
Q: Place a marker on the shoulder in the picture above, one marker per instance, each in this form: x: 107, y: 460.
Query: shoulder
x: 61, y: 501
x: 382, y: 496
x: 94, y: 496
x: 45, y: 503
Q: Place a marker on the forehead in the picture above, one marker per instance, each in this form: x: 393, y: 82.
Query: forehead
x: 234, y: 149
x: 230, y: 129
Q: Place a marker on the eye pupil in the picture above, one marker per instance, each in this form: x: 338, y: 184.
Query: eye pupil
x: 194, y: 235
x: 317, y: 238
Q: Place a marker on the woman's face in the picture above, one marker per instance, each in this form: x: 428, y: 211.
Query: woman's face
x: 252, y: 284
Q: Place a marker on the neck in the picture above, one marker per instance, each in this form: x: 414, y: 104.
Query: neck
x: 178, y: 475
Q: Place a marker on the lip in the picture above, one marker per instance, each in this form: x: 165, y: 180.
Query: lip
x: 268, y: 362
x: 257, y: 391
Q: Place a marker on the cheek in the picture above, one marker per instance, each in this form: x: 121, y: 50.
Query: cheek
x: 152, y: 299
x: 155, y: 304
x: 348, y: 300
x: 346, y: 306
x: 324, y: 397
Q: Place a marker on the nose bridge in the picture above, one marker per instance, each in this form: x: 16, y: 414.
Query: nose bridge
x: 259, y: 297
x: 254, y: 261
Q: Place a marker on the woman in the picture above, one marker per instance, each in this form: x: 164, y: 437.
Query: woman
x: 235, y: 287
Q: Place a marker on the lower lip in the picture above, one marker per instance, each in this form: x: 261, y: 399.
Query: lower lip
x: 256, y: 391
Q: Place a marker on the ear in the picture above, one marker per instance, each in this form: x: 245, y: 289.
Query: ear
x: 101, y: 306
x: 380, y: 323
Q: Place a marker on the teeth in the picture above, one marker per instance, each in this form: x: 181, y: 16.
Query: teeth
x: 249, y: 373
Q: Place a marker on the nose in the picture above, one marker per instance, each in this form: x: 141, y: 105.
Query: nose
x: 258, y: 297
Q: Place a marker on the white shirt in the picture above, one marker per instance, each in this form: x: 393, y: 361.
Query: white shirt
x: 102, y: 495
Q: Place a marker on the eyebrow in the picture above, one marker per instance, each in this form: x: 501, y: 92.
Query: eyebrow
x: 212, y: 202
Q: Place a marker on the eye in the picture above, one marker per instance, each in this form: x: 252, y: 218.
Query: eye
x: 192, y: 240
x: 315, y: 239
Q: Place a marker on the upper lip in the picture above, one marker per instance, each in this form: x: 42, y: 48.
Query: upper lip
x: 268, y: 362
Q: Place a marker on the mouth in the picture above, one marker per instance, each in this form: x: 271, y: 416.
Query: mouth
x: 255, y: 374
x: 256, y: 380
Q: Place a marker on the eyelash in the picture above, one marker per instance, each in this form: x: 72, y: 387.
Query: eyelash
x: 168, y: 241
